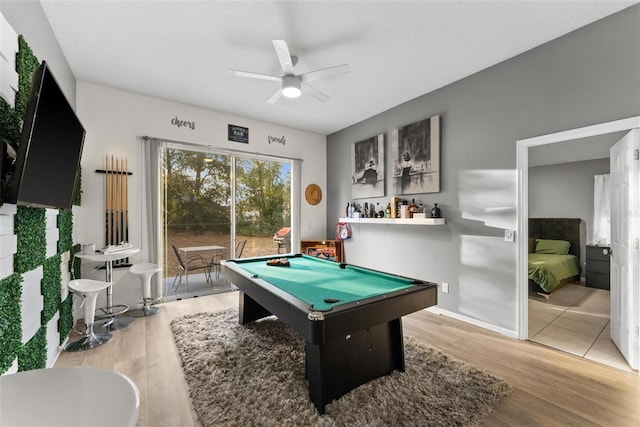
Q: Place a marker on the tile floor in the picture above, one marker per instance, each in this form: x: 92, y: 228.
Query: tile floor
x: 575, y: 319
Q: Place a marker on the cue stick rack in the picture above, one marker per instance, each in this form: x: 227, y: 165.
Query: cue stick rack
x: 116, y: 202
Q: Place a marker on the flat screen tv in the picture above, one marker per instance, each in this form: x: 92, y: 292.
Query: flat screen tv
x: 47, y: 158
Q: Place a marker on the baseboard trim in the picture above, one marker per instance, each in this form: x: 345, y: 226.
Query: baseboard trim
x: 484, y: 325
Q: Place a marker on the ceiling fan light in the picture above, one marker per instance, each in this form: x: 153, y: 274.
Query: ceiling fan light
x: 291, y: 86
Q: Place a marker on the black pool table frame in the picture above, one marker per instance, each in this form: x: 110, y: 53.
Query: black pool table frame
x: 347, y: 346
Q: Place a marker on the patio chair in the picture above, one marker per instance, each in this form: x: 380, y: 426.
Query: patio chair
x: 195, y: 264
x: 215, y: 261
x: 240, y: 244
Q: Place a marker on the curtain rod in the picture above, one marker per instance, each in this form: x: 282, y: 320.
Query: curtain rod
x: 218, y: 149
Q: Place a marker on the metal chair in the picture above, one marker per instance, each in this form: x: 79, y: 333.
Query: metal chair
x: 240, y: 248
x: 215, y: 260
x: 198, y: 263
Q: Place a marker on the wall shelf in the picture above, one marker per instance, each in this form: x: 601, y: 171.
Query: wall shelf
x: 395, y: 221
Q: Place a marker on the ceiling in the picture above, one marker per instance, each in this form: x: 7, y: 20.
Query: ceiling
x: 182, y: 50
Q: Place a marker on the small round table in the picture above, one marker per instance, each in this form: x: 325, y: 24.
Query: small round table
x: 68, y: 397
x: 110, y: 311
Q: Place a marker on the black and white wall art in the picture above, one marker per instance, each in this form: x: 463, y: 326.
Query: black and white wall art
x: 367, y: 176
x: 416, y: 157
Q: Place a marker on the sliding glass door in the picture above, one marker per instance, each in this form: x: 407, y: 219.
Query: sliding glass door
x: 263, y: 205
x: 219, y: 206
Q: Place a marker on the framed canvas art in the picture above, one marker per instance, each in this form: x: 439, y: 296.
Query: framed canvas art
x: 416, y: 153
x: 367, y: 177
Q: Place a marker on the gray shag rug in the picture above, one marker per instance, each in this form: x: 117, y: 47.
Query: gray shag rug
x: 253, y: 375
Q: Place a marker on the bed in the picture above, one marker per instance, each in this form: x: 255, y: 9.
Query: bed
x: 554, y: 253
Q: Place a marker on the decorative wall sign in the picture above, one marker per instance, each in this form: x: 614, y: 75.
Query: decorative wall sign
x: 238, y: 134
x: 183, y: 123
x: 367, y: 173
x: 416, y: 154
x: 279, y: 139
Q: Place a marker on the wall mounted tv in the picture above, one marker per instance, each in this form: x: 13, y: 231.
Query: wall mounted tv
x: 47, y: 157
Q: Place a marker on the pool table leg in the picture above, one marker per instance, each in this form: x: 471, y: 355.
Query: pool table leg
x: 250, y: 310
x: 342, y: 364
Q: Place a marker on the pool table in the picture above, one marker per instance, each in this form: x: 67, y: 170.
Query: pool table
x: 349, y: 316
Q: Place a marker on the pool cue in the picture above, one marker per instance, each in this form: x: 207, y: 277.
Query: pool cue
x: 126, y: 199
x: 106, y: 198
x: 118, y: 196
x: 113, y: 202
x: 107, y: 240
x: 121, y: 202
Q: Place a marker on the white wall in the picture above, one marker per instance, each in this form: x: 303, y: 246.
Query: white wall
x: 114, y: 120
x: 28, y: 19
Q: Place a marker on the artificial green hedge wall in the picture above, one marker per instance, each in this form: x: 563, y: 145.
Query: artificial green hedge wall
x: 51, y: 279
x: 65, y: 322
x: 29, y: 226
x: 10, y: 121
x: 26, y: 65
x: 10, y: 320
x: 65, y: 231
x: 77, y: 193
x: 33, y: 355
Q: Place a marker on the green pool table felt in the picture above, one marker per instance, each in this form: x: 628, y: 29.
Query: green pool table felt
x: 323, y: 284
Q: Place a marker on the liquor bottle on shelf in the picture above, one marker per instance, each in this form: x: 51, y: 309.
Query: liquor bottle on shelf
x: 435, y: 212
x: 404, y: 209
x: 413, y: 208
x: 388, y: 211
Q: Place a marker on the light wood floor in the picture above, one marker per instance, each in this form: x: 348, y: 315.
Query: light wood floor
x: 550, y: 388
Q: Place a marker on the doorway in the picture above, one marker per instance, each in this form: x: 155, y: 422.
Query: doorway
x: 218, y: 206
x: 523, y: 152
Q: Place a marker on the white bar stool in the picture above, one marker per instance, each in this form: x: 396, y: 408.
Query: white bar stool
x: 89, y: 339
x: 145, y: 270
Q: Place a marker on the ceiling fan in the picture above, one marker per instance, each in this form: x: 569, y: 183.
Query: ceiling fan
x: 293, y: 84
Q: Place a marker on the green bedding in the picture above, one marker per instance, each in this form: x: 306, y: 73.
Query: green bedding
x: 548, y: 270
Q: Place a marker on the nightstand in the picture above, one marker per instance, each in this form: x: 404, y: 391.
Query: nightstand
x: 597, y: 275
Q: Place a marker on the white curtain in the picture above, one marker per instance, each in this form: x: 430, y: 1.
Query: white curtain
x: 151, y: 206
x: 601, y: 210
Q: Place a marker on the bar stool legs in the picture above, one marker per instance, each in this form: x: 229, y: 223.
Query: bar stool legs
x: 145, y: 271
x: 90, y: 290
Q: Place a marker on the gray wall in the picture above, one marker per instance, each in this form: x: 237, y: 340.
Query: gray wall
x: 589, y: 76
x: 566, y: 191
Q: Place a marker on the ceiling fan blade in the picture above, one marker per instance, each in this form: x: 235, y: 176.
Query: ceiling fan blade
x: 284, y: 56
x: 276, y: 95
x: 314, y: 92
x: 255, y: 75
x: 325, y: 72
